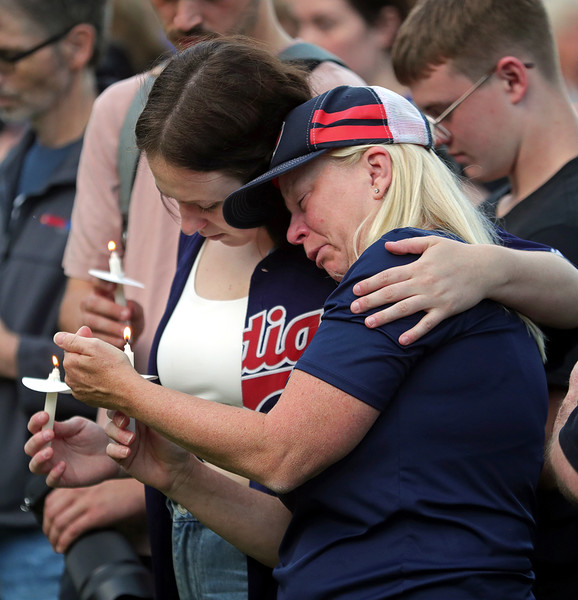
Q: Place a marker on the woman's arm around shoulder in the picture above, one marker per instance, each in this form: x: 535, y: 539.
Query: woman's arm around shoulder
x: 450, y: 277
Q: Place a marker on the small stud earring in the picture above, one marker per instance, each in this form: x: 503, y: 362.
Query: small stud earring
x: 376, y: 191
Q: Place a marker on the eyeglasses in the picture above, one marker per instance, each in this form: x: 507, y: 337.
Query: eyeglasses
x: 8, y: 58
x: 442, y: 134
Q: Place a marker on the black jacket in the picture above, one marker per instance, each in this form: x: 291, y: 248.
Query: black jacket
x: 33, y: 233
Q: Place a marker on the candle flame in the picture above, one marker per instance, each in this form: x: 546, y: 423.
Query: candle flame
x: 54, y: 360
x: 111, y: 246
x: 127, y: 334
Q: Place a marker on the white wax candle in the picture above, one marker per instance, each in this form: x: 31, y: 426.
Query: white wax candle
x: 115, y: 264
x: 127, y: 349
x: 119, y: 297
x: 129, y: 353
x: 52, y: 397
x: 116, y: 269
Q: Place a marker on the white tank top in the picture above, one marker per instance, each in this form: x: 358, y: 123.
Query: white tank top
x: 201, y: 347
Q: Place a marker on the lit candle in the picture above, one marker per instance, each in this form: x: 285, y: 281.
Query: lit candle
x: 115, y: 268
x: 51, y: 397
x: 127, y: 348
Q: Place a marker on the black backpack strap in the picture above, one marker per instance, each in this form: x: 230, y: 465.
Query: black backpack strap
x: 128, y: 154
x: 309, y: 55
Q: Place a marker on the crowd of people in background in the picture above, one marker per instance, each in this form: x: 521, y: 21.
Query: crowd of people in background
x: 329, y: 204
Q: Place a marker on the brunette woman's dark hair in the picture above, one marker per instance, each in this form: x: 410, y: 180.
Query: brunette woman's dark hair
x: 219, y: 106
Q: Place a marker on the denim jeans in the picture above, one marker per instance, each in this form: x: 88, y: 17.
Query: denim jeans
x: 29, y: 568
x: 206, y: 566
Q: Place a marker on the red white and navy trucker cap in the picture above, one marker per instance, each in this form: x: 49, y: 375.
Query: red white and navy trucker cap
x: 344, y: 116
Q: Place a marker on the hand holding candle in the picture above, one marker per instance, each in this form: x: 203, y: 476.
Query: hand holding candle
x: 52, y: 397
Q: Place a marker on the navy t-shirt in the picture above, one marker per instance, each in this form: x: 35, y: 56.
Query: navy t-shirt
x: 437, y: 500
x: 39, y: 164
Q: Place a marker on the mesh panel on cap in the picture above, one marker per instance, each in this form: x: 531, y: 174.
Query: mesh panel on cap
x: 405, y: 121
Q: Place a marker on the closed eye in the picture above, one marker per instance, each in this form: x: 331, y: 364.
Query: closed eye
x: 212, y: 207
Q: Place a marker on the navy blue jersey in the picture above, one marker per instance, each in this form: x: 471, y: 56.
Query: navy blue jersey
x: 437, y: 500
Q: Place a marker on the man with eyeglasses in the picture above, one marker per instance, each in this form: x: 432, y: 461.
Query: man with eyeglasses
x: 48, y: 53
x: 486, y: 73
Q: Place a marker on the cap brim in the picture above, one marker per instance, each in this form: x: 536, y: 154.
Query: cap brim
x: 253, y: 204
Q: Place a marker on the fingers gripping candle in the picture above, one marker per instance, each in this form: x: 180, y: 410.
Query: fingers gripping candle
x: 51, y: 397
x: 115, y: 268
